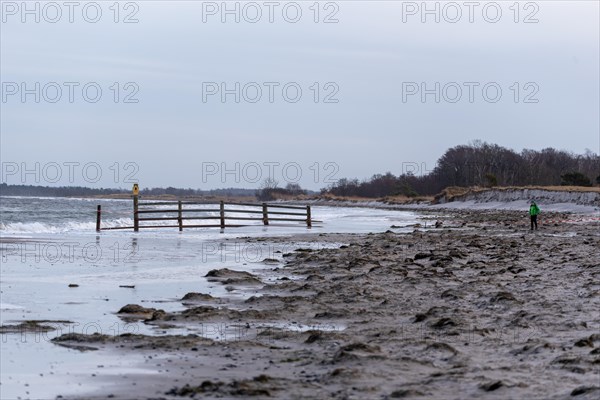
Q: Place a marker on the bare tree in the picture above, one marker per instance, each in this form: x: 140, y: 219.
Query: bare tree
x: 269, y: 183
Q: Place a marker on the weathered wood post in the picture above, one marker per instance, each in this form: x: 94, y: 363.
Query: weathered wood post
x: 265, y: 214
x: 98, y: 218
x: 136, y: 221
x: 179, y: 215
x: 308, y: 217
x: 222, y: 214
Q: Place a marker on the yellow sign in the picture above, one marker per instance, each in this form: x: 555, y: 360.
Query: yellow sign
x: 136, y: 189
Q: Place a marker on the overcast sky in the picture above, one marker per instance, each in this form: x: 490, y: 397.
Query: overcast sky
x: 384, y: 87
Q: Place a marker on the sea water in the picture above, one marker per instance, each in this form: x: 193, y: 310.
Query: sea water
x: 48, y: 244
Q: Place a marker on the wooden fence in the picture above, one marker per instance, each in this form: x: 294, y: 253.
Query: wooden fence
x: 184, y: 213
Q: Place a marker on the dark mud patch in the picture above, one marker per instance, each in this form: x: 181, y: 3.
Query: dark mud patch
x: 194, y: 297
x: 131, y: 341
x: 136, y: 312
x: 491, y: 386
x: 357, y: 351
x: 228, y: 276
x: 33, y: 326
x: 261, y: 385
x: 213, y: 314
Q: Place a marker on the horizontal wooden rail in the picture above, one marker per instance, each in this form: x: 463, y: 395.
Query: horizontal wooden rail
x: 215, y: 226
x: 286, y: 213
x: 245, y: 204
x: 159, y: 219
x: 174, y: 202
x: 155, y: 211
x: 290, y: 207
x: 287, y: 219
x: 200, y: 210
x: 200, y: 218
x: 243, y: 218
x: 269, y: 205
x: 158, y: 203
x: 114, y: 228
x: 245, y: 211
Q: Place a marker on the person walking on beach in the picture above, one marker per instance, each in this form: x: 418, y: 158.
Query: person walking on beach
x: 534, y: 210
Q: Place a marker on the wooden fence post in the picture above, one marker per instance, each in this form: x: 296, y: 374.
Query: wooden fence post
x: 98, y: 218
x: 136, y: 221
x: 180, y: 217
x: 265, y: 214
x: 222, y: 213
x: 308, y: 217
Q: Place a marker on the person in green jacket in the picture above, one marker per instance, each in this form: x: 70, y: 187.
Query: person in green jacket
x: 534, y: 210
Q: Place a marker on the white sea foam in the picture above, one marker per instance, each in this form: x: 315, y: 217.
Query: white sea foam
x: 70, y: 226
x: 6, y: 306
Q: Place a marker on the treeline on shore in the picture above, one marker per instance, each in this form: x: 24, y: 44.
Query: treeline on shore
x: 484, y: 165
x: 81, y: 191
x: 61, y: 191
x: 478, y: 164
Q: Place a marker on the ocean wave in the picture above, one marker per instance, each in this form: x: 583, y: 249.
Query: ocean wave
x: 39, y: 227
x: 74, y: 199
x: 6, y: 306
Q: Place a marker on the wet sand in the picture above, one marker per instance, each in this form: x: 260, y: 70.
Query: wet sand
x: 478, y: 307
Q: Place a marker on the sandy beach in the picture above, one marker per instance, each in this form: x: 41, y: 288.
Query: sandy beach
x: 477, y: 307
x: 299, y: 200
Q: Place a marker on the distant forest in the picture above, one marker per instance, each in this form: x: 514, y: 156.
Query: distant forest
x: 481, y: 164
x: 476, y: 164
x: 75, y: 191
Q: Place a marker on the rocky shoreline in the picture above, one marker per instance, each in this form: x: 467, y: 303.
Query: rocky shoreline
x: 478, y: 307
